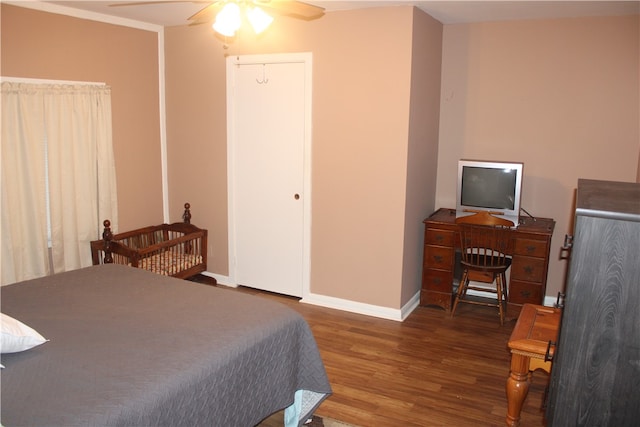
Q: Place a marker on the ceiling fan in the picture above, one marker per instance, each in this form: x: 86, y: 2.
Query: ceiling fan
x: 226, y: 14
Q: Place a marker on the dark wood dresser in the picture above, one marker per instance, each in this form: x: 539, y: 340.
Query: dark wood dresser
x: 531, y: 246
x: 595, y: 379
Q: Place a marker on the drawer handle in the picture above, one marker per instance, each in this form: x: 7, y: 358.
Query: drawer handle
x: 437, y: 280
x: 528, y: 269
x: 547, y: 355
x: 439, y: 238
x: 525, y: 294
x: 530, y: 249
x: 438, y: 259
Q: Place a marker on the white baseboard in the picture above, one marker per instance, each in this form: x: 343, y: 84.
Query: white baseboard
x: 222, y: 280
x: 548, y: 301
x: 362, y: 308
x: 342, y: 304
x: 398, y: 315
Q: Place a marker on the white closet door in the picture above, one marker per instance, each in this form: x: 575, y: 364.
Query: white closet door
x: 267, y: 175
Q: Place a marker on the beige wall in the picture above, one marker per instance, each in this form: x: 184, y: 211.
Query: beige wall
x: 422, y: 155
x: 560, y: 95
x: 49, y: 46
x: 196, y: 133
x: 361, y: 101
x: 361, y: 105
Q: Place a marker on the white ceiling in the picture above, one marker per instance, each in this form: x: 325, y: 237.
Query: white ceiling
x: 447, y: 12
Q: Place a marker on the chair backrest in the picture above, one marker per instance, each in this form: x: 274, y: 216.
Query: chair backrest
x: 485, y: 245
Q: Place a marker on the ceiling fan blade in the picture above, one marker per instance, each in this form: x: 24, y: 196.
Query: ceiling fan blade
x: 292, y: 8
x: 206, y: 14
x: 142, y: 3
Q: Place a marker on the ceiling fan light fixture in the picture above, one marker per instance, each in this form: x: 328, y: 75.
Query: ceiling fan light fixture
x: 228, y: 20
x: 258, y: 19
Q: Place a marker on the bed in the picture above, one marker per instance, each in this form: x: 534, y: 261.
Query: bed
x: 127, y: 347
x: 177, y: 250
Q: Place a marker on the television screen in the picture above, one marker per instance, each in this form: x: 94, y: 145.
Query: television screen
x: 489, y: 187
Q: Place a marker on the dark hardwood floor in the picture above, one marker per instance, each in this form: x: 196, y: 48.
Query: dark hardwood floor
x: 430, y: 370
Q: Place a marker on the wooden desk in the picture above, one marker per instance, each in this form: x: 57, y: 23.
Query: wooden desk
x: 536, y: 326
x: 530, y: 250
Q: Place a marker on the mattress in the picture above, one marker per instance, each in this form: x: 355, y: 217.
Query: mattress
x: 131, y: 348
x: 169, y: 262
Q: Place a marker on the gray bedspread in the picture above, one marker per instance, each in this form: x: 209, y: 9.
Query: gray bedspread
x: 128, y: 347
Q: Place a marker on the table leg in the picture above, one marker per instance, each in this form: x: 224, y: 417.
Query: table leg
x: 517, y: 388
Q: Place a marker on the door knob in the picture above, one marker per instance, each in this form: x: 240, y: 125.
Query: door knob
x: 296, y: 196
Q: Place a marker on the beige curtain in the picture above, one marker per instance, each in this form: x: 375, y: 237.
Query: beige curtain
x: 23, y: 216
x: 72, y: 146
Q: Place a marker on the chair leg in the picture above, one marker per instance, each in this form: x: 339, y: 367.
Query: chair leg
x: 505, y: 293
x: 462, y: 290
x: 500, y: 294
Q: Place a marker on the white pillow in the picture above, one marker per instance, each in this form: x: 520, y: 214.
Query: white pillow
x: 16, y: 336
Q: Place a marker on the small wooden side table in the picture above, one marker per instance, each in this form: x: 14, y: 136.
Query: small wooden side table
x: 536, y: 326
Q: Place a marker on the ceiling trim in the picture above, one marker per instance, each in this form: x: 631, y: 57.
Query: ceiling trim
x: 86, y: 14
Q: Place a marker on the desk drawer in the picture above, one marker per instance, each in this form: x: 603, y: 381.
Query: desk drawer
x: 528, y: 269
x: 437, y: 280
x: 533, y: 248
x: 439, y: 237
x: 438, y: 257
x: 525, y: 292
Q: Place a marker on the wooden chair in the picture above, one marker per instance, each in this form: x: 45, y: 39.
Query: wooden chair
x: 484, y: 241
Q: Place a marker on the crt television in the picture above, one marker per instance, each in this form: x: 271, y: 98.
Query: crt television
x: 489, y: 186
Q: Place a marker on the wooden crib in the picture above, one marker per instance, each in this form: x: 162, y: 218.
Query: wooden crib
x: 178, y: 249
